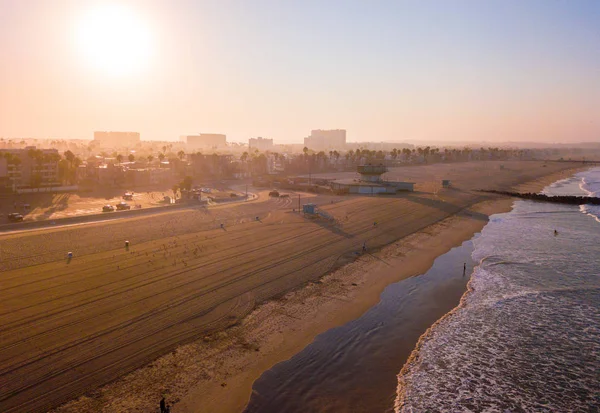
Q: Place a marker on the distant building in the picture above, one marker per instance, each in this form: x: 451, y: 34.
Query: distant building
x: 213, y: 166
x: 29, y: 168
x: 260, y: 144
x: 93, y: 173
x: 326, y: 139
x: 135, y: 178
x: 206, y: 141
x: 116, y: 139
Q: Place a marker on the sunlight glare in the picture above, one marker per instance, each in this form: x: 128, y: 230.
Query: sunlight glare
x: 114, y: 40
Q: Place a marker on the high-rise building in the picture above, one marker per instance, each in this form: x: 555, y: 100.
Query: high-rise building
x: 116, y: 139
x: 260, y: 144
x: 326, y: 139
x: 206, y: 141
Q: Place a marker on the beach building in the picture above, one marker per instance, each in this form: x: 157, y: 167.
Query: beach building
x: 370, y: 182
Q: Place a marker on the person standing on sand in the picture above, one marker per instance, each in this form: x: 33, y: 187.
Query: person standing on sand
x: 163, y: 405
x: 464, y: 269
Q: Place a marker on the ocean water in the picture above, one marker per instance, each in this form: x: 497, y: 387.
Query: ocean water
x: 526, y: 337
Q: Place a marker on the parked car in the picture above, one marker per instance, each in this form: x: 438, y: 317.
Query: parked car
x: 128, y: 196
x: 122, y: 206
x: 274, y: 193
x: 108, y: 208
x: 15, y: 217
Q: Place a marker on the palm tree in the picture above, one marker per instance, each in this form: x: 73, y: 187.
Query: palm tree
x: 131, y: 157
x: 187, y: 183
x: 69, y: 156
x: 36, y: 177
x: 150, y: 158
x: 52, y: 158
x: 119, y: 158
x: 181, y: 155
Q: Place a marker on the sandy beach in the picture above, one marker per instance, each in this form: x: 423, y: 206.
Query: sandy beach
x: 197, y: 312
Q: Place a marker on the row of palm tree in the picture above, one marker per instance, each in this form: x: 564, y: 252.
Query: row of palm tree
x: 149, y: 158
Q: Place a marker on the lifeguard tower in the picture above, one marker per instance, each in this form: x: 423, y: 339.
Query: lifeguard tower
x: 370, y: 182
x: 371, y: 173
x: 309, y: 209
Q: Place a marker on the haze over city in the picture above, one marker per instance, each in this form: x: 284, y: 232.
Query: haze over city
x: 382, y: 70
x: 296, y: 206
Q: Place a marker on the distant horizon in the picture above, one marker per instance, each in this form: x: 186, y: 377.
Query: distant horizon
x: 454, y: 71
x: 408, y: 141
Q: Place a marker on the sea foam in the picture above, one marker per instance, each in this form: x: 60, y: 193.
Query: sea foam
x: 526, y: 336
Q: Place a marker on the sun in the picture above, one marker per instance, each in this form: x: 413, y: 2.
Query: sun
x: 114, y: 40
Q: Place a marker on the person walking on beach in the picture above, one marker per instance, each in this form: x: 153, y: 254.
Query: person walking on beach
x: 163, y: 405
x: 464, y: 269
x: 364, y: 246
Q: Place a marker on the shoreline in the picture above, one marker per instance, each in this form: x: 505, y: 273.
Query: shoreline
x: 404, y: 376
x: 217, y: 372
x: 370, y: 295
x: 400, y: 399
x: 415, y: 353
x: 334, y: 305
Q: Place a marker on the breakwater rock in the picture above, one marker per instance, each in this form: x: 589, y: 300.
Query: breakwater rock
x: 559, y: 199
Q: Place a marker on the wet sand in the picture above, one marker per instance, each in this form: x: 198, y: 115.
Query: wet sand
x: 333, y: 303
x: 354, y: 367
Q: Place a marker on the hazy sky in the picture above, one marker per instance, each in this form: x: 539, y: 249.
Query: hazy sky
x: 383, y: 70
